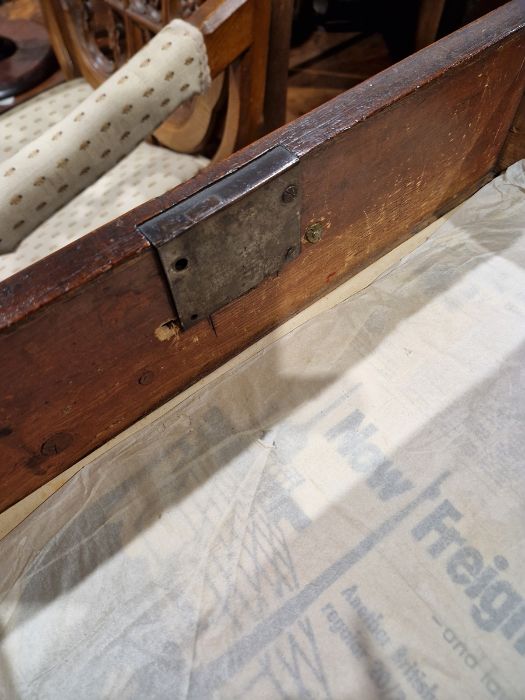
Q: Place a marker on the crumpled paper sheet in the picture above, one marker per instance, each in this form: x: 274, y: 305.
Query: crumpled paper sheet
x: 340, y: 517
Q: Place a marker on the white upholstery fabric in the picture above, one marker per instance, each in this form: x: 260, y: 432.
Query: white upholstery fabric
x: 31, y: 119
x: 109, y: 123
x: 147, y: 172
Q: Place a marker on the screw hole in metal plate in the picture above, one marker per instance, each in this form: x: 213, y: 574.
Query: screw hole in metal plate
x: 180, y: 264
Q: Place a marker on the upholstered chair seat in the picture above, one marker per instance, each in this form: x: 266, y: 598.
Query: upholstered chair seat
x: 74, y: 158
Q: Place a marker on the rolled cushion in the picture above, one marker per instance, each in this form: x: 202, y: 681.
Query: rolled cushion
x: 146, y: 172
x: 21, y: 125
x: 101, y: 130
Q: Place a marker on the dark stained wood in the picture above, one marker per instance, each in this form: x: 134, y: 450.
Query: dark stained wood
x: 277, y: 67
x: 329, y: 63
x: 87, y: 346
x: 514, y: 147
x: 228, y: 30
x: 26, y: 9
x: 28, y: 57
x: 252, y: 72
x: 430, y: 12
x: 240, y: 29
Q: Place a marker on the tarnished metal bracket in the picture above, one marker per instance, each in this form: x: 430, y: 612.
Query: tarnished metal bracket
x: 227, y: 238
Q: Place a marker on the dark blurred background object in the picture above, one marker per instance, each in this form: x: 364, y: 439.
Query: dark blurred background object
x: 337, y: 44
x: 27, y: 61
x: 406, y: 26
x: 26, y: 57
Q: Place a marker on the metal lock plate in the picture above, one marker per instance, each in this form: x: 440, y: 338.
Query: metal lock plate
x: 227, y: 238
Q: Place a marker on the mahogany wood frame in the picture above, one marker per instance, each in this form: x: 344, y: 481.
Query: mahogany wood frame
x: 87, y: 338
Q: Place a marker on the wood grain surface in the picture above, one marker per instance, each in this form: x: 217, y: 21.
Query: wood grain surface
x: 88, y: 341
x: 514, y: 147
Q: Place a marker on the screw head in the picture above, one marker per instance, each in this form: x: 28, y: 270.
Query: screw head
x: 289, y: 194
x: 314, y: 232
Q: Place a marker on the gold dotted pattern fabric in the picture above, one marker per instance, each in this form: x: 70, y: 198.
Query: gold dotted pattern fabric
x: 146, y: 172
x: 28, y: 121
x: 108, y: 124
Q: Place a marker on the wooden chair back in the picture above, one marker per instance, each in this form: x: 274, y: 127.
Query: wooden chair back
x: 94, y: 38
